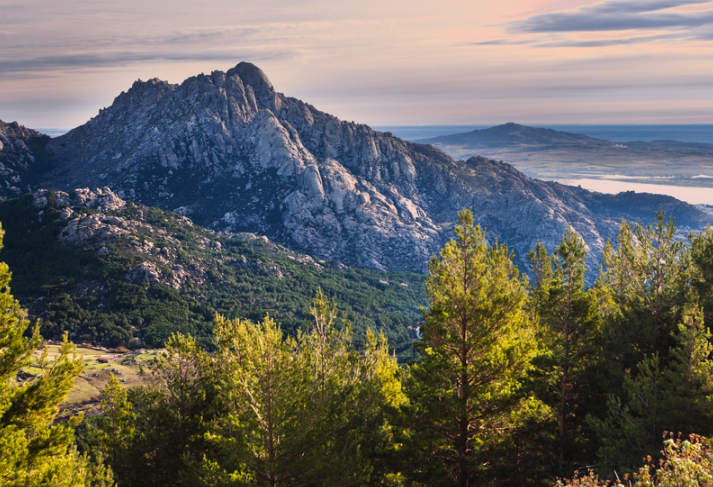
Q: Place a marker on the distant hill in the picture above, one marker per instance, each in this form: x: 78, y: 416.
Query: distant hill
x: 513, y: 134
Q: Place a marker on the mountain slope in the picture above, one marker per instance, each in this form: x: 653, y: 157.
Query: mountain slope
x: 111, y: 272
x: 235, y: 155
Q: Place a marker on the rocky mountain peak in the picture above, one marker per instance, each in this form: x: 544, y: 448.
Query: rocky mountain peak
x: 229, y: 151
x: 254, y: 77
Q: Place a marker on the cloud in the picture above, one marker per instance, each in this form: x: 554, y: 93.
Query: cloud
x: 9, y: 68
x: 501, y: 42
x: 606, y: 42
x: 617, y: 15
x: 81, y: 51
x: 638, y: 6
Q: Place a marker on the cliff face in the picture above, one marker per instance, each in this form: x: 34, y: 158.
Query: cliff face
x: 230, y: 152
x: 22, y: 157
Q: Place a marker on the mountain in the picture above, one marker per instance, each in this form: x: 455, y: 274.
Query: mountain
x: 516, y: 135
x: 23, y: 156
x: 117, y: 273
x: 234, y: 155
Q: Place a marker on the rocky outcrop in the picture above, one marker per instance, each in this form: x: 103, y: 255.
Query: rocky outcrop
x: 229, y: 151
x: 22, y: 157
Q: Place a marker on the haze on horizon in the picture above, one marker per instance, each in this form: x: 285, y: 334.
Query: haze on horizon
x: 381, y: 63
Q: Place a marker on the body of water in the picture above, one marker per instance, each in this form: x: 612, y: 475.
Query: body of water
x: 616, y: 133
x: 695, y: 196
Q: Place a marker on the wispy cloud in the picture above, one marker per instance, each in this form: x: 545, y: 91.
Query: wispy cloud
x: 501, y: 42
x: 82, y: 51
x: 625, y: 41
x: 617, y: 15
x: 51, y: 63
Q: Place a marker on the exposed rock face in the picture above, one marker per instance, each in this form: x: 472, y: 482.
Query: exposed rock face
x: 233, y: 154
x: 101, y: 199
x: 22, y: 157
x: 102, y: 228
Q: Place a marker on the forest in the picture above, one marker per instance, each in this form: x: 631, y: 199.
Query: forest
x: 519, y: 381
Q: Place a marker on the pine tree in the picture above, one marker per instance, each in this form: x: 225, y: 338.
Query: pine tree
x: 676, y: 396
x: 36, y: 452
x: 153, y: 435
x: 268, y: 427
x: 476, y: 344
x: 568, y: 320
x: 112, y: 433
x: 646, y: 276
x: 701, y: 245
x: 655, y: 342
x: 304, y: 411
x: 542, y: 274
x: 356, y: 395
x: 689, y: 376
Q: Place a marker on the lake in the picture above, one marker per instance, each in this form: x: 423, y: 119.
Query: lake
x: 695, y: 196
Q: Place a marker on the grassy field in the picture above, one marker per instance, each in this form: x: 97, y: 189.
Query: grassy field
x: 99, y: 365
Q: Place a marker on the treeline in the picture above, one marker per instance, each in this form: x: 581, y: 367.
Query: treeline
x: 519, y: 382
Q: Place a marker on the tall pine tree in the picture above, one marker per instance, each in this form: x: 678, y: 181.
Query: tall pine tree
x: 476, y: 344
x: 567, y: 316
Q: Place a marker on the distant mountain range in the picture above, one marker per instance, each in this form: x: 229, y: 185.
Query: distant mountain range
x: 524, y: 137
x: 234, y: 155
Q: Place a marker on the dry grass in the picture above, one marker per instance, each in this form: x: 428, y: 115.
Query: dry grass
x: 99, y: 364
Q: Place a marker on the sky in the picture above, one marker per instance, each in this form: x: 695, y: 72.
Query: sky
x: 379, y: 62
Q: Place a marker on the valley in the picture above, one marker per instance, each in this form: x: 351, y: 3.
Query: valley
x: 131, y: 369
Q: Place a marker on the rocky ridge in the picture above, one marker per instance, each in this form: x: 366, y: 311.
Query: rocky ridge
x: 22, y: 158
x: 102, y: 227
x: 229, y: 151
